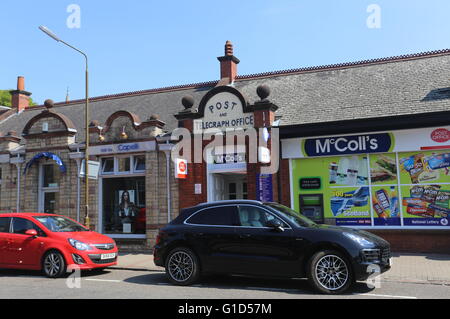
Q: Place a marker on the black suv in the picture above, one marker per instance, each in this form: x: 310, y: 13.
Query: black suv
x: 266, y: 239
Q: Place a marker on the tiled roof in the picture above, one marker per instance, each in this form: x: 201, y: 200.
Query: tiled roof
x: 416, y: 83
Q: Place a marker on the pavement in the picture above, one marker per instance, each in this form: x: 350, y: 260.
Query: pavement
x: 408, y: 268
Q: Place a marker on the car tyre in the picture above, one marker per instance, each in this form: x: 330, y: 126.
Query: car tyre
x: 53, y: 264
x: 329, y: 272
x: 182, y: 266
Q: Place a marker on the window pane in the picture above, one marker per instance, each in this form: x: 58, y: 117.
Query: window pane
x: 108, y: 165
x: 223, y: 216
x: 21, y: 225
x: 255, y: 217
x: 4, y: 224
x: 51, y: 175
x: 50, y: 202
x: 123, y: 164
x: 139, y: 163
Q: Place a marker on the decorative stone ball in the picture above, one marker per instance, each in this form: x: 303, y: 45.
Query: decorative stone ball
x: 263, y: 91
x: 49, y: 103
x: 187, y: 101
x: 94, y: 123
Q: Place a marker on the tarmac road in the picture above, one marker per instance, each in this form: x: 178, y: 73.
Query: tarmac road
x: 145, y: 284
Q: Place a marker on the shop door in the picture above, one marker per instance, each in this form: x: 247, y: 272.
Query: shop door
x: 236, y: 187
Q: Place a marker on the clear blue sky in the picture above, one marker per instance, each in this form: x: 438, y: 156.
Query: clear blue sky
x: 135, y: 45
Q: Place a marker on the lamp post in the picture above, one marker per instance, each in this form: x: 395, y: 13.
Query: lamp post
x: 86, y: 152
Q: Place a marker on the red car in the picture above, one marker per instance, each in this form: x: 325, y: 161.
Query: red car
x: 52, y: 243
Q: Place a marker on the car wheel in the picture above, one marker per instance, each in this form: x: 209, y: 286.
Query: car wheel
x: 54, y: 265
x: 329, y: 272
x: 182, y: 266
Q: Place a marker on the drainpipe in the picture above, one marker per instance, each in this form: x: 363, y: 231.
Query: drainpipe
x: 167, y: 149
x: 17, y: 161
x: 169, y: 197
x: 77, y: 156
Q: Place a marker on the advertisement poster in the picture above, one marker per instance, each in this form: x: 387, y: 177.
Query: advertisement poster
x: 343, y: 182
x: 426, y: 195
x: 385, y: 204
x: 388, y: 189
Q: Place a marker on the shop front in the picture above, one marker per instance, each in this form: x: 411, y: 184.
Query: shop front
x: 396, y: 180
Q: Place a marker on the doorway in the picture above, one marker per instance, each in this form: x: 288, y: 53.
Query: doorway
x: 228, y: 186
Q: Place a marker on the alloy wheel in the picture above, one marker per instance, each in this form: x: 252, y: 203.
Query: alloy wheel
x: 332, y: 272
x: 53, y: 264
x: 180, y: 266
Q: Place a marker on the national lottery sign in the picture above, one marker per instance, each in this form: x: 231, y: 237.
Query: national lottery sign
x: 343, y: 145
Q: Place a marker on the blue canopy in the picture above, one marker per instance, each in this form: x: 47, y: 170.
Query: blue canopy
x: 46, y: 155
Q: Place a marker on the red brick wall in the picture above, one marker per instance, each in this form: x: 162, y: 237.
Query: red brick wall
x: 416, y: 241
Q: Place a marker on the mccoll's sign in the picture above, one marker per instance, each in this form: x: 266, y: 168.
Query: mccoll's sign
x: 342, y: 145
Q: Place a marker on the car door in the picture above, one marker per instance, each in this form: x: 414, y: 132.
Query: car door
x: 211, y: 231
x: 4, y: 237
x: 24, y: 250
x: 264, y: 250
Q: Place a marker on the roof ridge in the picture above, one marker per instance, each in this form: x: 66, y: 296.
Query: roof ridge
x: 396, y: 58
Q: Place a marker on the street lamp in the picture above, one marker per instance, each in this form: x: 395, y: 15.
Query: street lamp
x: 86, y: 153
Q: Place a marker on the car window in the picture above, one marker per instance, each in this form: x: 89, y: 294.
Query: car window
x: 21, y: 225
x: 60, y: 224
x: 252, y: 216
x: 218, y: 216
x: 4, y: 224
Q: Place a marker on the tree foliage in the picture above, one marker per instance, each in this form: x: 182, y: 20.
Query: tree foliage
x: 5, y: 98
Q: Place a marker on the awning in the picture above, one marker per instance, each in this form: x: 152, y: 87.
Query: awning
x: 46, y: 155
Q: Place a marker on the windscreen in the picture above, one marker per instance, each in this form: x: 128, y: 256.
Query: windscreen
x: 59, y: 224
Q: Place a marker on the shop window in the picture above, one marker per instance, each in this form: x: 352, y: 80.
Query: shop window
x: 139, y: 163
x: 50, y: 174
x: 124, y: 211
x: 123, y: 164
x: 108, y: 165
x: 49, y: 177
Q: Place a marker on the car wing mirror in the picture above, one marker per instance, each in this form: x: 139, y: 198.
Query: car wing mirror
x: 275, y: 224
x: 31, y: 232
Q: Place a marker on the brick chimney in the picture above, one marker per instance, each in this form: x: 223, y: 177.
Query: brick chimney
x: 20, y: 99
x: 228, y: 65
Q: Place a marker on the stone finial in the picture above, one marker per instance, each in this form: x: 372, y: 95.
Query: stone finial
x: 187, y: 101
x: 49, y: 103
x: 263, y: 91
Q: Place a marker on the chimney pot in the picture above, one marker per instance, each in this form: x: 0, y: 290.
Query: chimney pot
x: 228, y: 65
x: 20, y: 83
x: 20, y: 99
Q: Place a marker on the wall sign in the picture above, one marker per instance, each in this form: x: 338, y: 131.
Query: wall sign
x: 181, y: 168
x: 264, y: 187
x: 122, y: 148
x: 310, y: 183
x: 223, y: 111
x: 342, y: 145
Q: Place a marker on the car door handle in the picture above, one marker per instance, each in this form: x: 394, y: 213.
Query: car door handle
x: 245, y: 235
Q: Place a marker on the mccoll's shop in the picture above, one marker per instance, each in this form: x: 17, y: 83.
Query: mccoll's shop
x: 398, y: 180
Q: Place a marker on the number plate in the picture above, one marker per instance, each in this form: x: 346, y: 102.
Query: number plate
x: 107, y: 256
